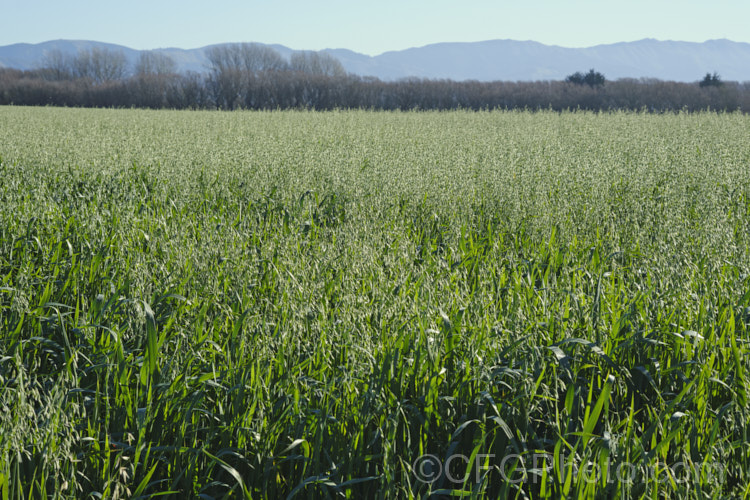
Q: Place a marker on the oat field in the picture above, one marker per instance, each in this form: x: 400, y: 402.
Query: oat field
x: 358, y: 304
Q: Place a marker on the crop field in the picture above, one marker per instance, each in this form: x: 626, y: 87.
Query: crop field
x: 358, y: 304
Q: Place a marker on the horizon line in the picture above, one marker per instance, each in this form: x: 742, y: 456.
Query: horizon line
x: 647, y: 39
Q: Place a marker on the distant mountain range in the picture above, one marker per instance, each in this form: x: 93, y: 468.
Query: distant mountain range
x: 485, y: 61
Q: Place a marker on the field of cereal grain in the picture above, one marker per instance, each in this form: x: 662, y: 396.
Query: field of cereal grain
x: 371, y: 304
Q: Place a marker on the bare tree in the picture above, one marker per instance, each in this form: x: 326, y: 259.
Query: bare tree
x: 235, y: 67
x: 316, y: 63
x: 100, y: 65
x: 155, y: 63
x: 249, y: 57
x: 155, y: 80
x: 257, y: 57
x: 57, y: 66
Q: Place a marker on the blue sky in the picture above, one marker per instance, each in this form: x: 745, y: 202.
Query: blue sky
x: 369, y: 27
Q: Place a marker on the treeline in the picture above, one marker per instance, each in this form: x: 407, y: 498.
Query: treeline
x: 253, y: 76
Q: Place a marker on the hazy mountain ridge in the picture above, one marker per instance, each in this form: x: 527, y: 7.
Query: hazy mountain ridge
x: 485, y: 61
